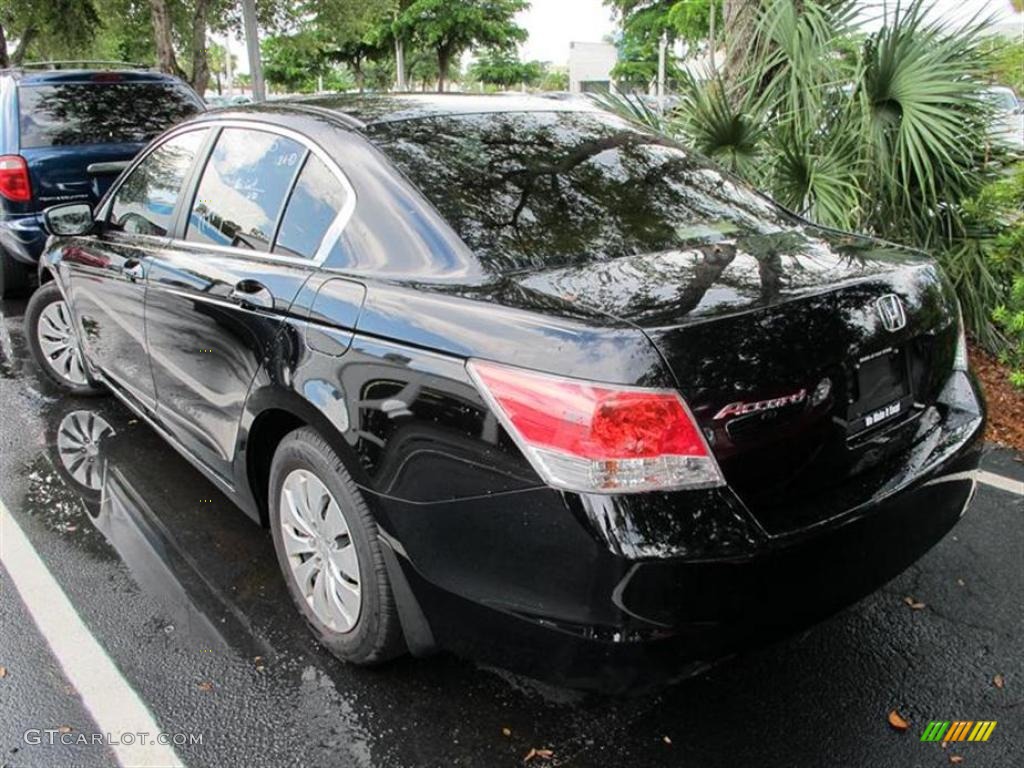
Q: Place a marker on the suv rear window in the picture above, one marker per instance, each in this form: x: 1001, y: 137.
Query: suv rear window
x: 100, y: 113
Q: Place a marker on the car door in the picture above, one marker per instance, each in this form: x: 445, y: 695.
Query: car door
x: 219, y: 295
x: 104, y: 275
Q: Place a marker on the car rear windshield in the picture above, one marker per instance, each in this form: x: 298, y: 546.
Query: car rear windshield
x: 529, y: 190
x: 100, y: 113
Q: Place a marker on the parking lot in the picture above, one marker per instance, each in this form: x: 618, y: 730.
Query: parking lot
x: 182, y: 592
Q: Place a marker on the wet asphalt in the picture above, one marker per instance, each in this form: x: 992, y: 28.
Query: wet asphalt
x: 183, y: 593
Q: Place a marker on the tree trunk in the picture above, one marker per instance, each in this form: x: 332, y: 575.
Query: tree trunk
x: 739, y: 19
x: 165, y: 59
x: 5, y: 60
x: 200, y: 57
x: 444, y: 57
x: 23, y: 44
x: 216, y: 76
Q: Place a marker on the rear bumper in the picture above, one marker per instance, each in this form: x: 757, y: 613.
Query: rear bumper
x: 23, y: 237
x: 526, y: 582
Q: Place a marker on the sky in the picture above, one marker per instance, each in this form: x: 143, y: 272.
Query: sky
x: 553, y: 24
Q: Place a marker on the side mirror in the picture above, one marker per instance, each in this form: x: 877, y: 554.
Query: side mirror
x: 69, y: 219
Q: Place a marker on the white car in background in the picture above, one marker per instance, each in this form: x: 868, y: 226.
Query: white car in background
x: 1008, y: 122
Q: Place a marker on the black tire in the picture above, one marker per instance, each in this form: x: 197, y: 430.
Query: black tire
x: 376, y: 635
x: 40, y: 301
x: 15, y: 277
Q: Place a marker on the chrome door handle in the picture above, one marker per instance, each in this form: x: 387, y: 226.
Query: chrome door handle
x: 133, y: 270
x: 252, y: 295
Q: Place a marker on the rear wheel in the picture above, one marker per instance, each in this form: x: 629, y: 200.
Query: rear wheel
x: 328, y: 549
x: 54, y: 342
x: 15, y: 277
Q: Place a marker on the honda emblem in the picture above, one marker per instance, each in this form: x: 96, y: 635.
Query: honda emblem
x: 890, y: 309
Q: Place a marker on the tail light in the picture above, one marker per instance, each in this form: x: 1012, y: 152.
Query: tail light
x: 598, y: 438
x: 14, y: 183
x: 960, y: 361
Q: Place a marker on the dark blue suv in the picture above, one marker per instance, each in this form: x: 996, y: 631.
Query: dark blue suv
x: 65, y: 134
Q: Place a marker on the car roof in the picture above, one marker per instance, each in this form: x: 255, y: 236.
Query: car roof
x: 370, y: 109
x: 51, y: 76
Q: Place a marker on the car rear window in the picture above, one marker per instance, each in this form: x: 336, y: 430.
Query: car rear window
x: 100, y: 113
x: 532, y: 190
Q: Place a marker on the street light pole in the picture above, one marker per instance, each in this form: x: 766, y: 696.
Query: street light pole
x: 252, y: 47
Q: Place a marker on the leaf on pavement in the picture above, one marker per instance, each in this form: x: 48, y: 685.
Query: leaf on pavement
x: 543, y: 754
x: 206, y: 686
x: 64, y: 729
x: 915, y: 605
x: 3, y: 671
x: 897, y: 721
x: 956, y: 759
x: 998, y: 681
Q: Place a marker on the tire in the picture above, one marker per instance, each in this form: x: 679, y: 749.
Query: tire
x: 15, y: 277
x: 49, y: 328
x: 367, y: 632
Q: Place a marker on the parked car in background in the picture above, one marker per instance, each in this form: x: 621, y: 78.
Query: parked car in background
x: 66, y: 131
x: 517, y: 378
x: 1008, y: 121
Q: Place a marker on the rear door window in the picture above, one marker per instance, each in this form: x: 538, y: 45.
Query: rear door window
x: 144, y: 203
x: 243, y: 189
x: 100, y: 113
x: 318, y: 198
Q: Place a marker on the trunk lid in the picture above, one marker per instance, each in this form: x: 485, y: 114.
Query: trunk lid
x: 808, y: 390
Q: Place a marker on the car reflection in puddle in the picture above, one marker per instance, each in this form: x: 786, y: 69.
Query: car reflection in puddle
x: 81, y: 471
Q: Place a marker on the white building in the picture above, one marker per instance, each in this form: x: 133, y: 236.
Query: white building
x: 590, y: 66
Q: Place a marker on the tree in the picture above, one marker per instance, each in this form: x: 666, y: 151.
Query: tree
x: 555, y: 79
x: 53, y: 29
x: 218, y: 58
x: 293, y: 61
x: 644, y: 23
x: 502, y: 67
x: 450, y: 27
x: 352, y: 33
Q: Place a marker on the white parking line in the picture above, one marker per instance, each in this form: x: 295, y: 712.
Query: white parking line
x: 999, y: 481
x: 113, y: 704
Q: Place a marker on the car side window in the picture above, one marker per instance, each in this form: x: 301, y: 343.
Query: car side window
x: 144, y: 203
x: 318, y: 198
x: 243, y: 189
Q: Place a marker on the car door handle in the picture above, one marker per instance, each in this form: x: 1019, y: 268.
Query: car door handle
x: 133, y: 270
x: 252, y: 294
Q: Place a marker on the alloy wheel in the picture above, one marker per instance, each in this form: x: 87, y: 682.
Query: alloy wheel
x: 320, y: 550
x: 59, y: 344
x: 78, y: 443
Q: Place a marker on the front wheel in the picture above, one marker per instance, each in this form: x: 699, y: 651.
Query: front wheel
x: 328, y: 548
x: 54, y: 342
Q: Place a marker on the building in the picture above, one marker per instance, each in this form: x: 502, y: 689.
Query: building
x: 590, y: 67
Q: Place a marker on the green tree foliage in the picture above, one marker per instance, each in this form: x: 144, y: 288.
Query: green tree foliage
x: 293, y: 62
x: 643, y: 23
x: 1006, y: 62
x: 45, y: 29
x: 889, y: 137
x: 450, y: 27
x: 502, y: 68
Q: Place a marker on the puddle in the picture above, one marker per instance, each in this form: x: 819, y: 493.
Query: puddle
x: 75, y: 489
x: 9, y: 365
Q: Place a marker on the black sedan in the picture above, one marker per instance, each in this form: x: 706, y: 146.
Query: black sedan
x: 519, y: 379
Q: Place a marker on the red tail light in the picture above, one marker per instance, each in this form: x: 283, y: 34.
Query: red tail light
x: 14, y: 183
x: 598, y: 438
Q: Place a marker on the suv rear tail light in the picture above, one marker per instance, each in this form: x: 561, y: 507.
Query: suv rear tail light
x: 14, y: 183
x: 598, y: 438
